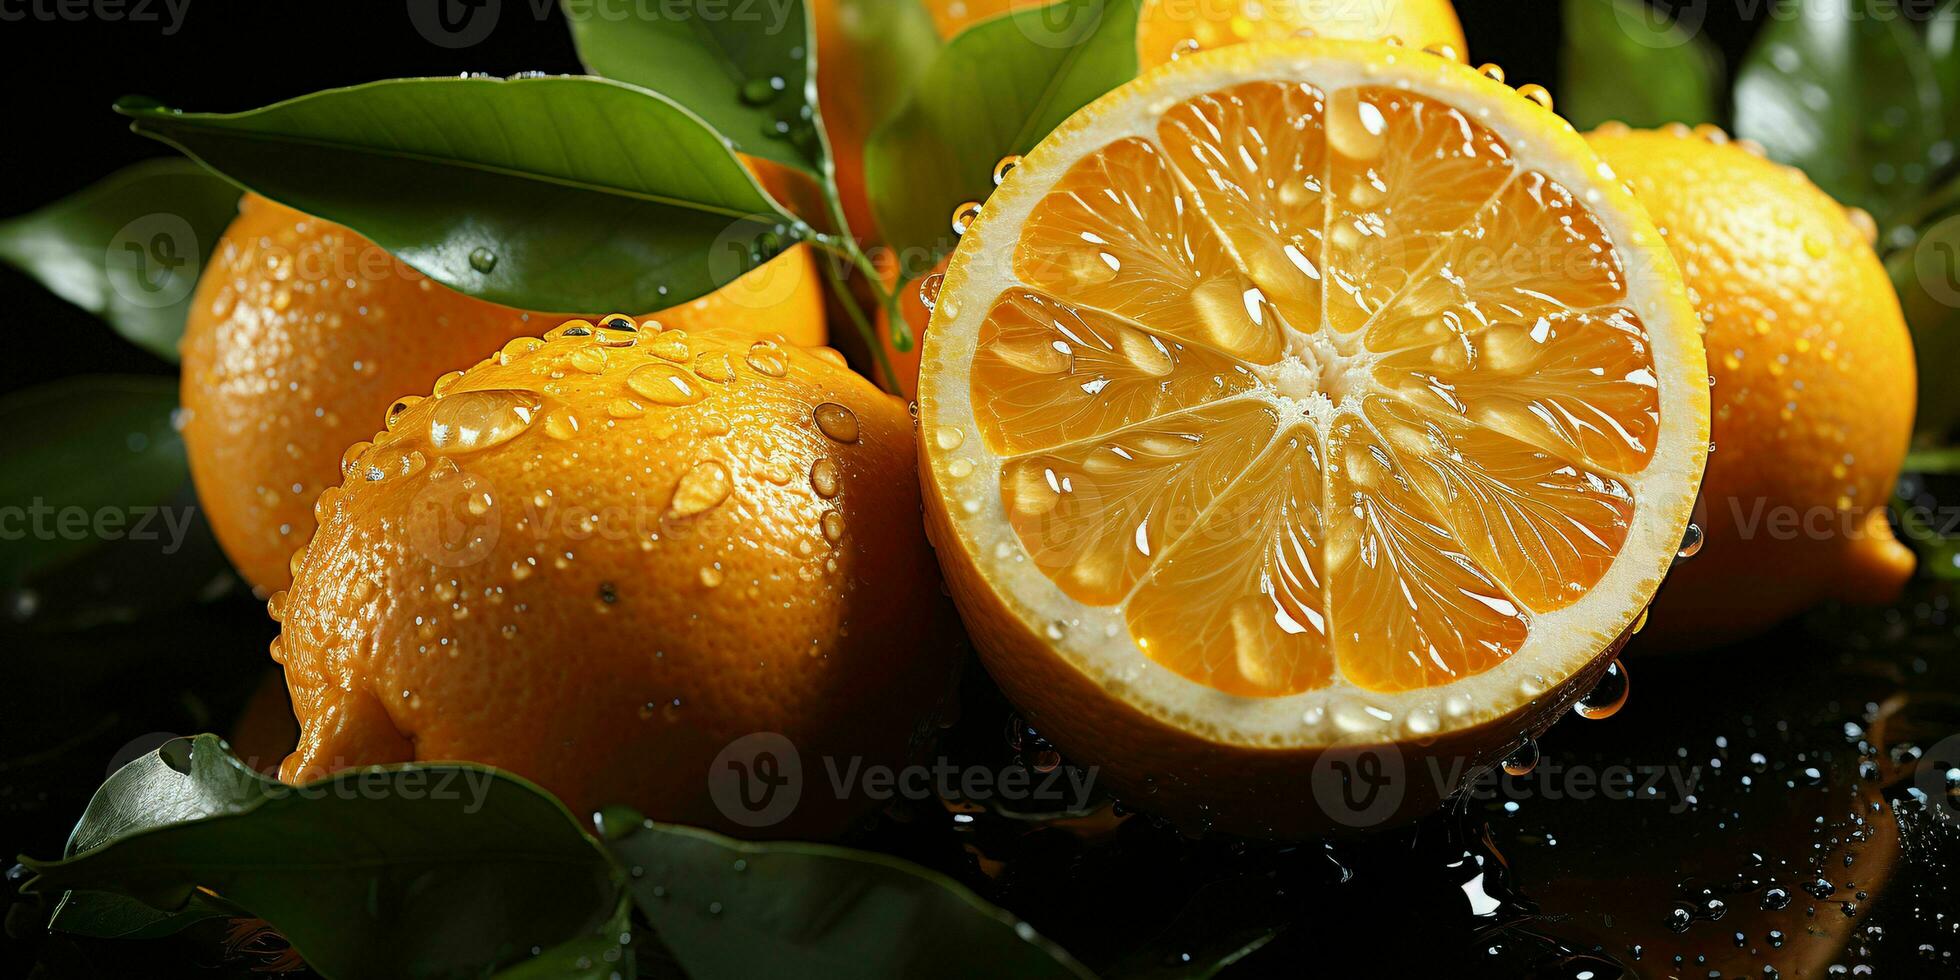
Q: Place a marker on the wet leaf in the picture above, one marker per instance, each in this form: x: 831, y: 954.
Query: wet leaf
x: 994, y: 90
x: 1611, y: 43
x: 128, y: 249
x: 104, y: 524
x: 402, y: 870
x: 1845, y: 92
x: 745, y: 70
x: 734, y: 909
x: 557, y: 193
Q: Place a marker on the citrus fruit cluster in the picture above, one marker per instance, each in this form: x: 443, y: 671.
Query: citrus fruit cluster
x: 1303, y: 396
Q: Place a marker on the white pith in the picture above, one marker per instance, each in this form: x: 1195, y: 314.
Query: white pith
x: 1096, y: 640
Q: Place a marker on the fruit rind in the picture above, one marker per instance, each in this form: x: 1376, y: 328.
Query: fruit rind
x: 1164, y: 715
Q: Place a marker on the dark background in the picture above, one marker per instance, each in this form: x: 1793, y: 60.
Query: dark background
x: 62, y: 75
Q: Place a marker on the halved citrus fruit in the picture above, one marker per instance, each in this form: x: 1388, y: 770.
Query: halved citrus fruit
x: 1307, y: 394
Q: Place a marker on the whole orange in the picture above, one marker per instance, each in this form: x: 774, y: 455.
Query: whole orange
x: 604, y: 559
x: 1814, y: 385
x: 302, y: 332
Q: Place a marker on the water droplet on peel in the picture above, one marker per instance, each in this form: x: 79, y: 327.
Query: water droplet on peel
x: 1607, y: 697
x: 766, y: 357
x: 833, y: 526
x: 714, y: 366
x: 664, y: 384
x: 701, y: 488
x: 959, y: 469
x: 948, y: 437
x: 1523, y: 759
x: 475, y: 420
x: 711, y: 576
x: 836, y: 421
x: 1004, y: 166
x: 825, y: 477
x: 482, y: 259
x: 670, y: 345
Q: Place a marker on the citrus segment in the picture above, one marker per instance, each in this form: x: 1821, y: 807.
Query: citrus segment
x: 1255, y: 158
x: 1238, y: 603
x: 1094, y: 515
x: 1120, y: 234
x: 1332, y: 393
x: 1403, y: 173
x: 1542, y: 526
x: 1056, y: 373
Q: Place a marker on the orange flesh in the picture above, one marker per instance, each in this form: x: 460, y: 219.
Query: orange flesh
x: 1317, y: 387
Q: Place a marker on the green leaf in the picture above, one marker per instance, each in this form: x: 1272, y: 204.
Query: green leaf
x: 994, y: 90
x: 128, y: 249
x: 1611, y: 43
x: 744, y: 69
x: 103, y: 522
x: 605, y: 954
x: 1927, y: 278
x: 556, y: 193
x: 1943, y: 52
x: 733, y: 909
x: 1849, y: 98
x: 416, y: 870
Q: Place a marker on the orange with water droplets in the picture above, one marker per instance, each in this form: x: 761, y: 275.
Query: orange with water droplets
x: 301, y: 334
x: 602, y: 557
x: 1813, y: 385
x: 1302, y: 411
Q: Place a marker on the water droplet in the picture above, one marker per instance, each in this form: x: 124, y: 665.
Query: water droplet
x: 929, y: 290
x: 960, y: 469
x: 1004, y: 166
x: 482, y: 259
x: 1523, y: 759
x: 711, y: 576
x: 701, y: 488
x: 964, y: 216
x: 766, y: 356
x: 1537, y: 94
x: 833, y: 526
x: 948, y: 437
x: 474, y: 420
x: 714, y: 366
x: 664, y: 384
x: 836, y: 421
x: 825, y: 477
x: 670, y: 345
x: 1691, y: 541
x: 1607, y: 697
x: 762, y: 91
